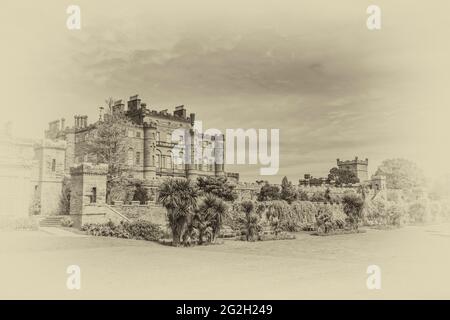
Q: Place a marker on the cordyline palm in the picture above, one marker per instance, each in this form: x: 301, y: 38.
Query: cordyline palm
x: 250, y: 220
x: 209, y: 217
x: 179, y: 197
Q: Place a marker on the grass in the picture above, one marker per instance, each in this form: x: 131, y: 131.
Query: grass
x: 34, y: 266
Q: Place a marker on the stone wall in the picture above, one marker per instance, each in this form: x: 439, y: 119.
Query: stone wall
x: 149, y: 212
x: 97, y: 213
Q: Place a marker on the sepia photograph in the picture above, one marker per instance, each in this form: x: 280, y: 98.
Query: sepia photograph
x: 225, y: 150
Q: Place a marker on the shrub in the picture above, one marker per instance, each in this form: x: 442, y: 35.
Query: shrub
x: 279, y: 216
x: 303, y: 216
x: 302, y: 196
x: 140, y: 193
x: 329, y: 218
x: 395, y: 214
x: 353, y: 205
x: 218, y: 186
x: 269, y: 192
x: 66, y: 222
x: 324, y: 221
x: 143, y: 230
x: 418, y: 212
x: 318, y: 196
x: 139, y: 230
x: 375, y: 212
x: 250, y: 222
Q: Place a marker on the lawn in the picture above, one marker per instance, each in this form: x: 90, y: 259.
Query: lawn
x: 414, y: 262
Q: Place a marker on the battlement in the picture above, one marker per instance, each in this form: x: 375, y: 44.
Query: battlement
x: 87, y: 168
x: 352, y: 162
x: 51, y: 144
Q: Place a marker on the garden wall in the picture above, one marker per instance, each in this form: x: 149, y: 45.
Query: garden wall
x: 148, y: 212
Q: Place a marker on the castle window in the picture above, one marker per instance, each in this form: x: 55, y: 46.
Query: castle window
x: 169, y: 162
x: 158, y: 137
x: 53, y: 165
x: 138, y: 158
x: 130, y: 134
x: 130, y: 157
x: 94, y: 195
x: 138, y: 134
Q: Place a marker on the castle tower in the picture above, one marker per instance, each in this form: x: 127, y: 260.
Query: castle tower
x: 359, y: 167
x: 88, y: 189
x: 51, y: 156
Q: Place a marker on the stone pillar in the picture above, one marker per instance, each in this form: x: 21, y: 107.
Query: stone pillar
x: 149, y: 142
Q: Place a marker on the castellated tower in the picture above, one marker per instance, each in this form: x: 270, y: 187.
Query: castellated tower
x: 359, y: 167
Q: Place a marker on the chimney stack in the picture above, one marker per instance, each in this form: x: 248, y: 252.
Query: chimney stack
x: 134, y: 103
x: 101, y: 113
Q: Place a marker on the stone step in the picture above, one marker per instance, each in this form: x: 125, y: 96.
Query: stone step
x: 50, y: 221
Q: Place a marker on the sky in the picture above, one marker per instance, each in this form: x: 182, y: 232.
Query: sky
x: 311, y: 69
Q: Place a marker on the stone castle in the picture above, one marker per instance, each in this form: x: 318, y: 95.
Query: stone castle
x: 149, y: 137
x: 32, y: 171
x: 358, y: 167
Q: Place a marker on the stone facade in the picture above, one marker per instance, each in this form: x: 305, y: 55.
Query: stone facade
x: 151, y: 142
x: 17, y: 171
x: 88, y: 196
x: 50, y: 156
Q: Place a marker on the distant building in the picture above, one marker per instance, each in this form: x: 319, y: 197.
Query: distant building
x: 359, y: 167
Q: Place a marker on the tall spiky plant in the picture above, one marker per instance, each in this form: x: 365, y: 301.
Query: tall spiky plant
x: 250, y: 222
x: 179, y: 197
x: 209, y: 217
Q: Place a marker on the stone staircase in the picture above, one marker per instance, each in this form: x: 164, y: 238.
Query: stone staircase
x: 51, y: 221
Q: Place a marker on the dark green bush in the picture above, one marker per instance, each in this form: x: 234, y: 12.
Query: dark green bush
x: 139, y: 230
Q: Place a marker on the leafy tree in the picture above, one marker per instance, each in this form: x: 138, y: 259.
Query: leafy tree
x: 64, y: 199
x: 401, y: 174
x: 288, y: 192
x: 342, y: 176
x: 179, y: 197
x: 269, y: 192
x: 209, y: 218
x: 218, y: 186
x: 108, y: 143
